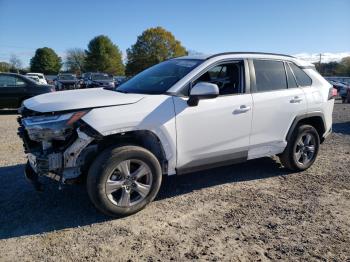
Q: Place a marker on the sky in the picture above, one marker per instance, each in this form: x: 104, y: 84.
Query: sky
x: 297, y: 27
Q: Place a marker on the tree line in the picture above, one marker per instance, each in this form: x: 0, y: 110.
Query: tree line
x: 154, y: 45
x: 341, y: 68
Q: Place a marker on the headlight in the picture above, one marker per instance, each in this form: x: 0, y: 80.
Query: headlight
x: 57, y: 127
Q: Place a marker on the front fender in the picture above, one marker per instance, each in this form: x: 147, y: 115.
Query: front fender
x: 154, y: 113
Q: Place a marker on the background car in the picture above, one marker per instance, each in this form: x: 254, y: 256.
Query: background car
x: 100, y: 80
x: 42, y: 79
x: 343, y: 89
x: 67, y: 82
x: 33, y: 77
x: 15, y: 88
x: 85, y: 79
x: 118, y: 80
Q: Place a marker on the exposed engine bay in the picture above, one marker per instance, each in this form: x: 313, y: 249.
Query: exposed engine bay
x: 57, y: 145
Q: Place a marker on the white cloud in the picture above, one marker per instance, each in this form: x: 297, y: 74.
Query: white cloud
x: 326, y: 57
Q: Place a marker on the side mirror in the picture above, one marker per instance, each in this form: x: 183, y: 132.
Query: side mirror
x: 202, y: 90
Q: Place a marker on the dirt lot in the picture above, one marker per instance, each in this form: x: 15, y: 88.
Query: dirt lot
x: 252, y: 211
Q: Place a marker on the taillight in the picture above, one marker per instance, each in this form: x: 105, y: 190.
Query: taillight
x: 332, y: 93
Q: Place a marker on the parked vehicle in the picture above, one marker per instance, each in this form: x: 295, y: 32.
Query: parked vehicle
x: 15, y: 88
x: 179, y: 116
x: 51, y: 79
x: 337, y: 85
x: 85, y: 79
x: 67, y: 82
x: 42, y: 79
x: 35, y: 78
x: 344, y: 94
x: 100, y: 80
x: 342, y: 88
x: 118, y: 80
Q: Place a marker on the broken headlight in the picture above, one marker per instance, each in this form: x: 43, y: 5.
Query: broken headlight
x: 47, y: 128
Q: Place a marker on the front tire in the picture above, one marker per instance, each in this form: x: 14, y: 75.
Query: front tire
x: 302, y: 149
x: 123, y: 180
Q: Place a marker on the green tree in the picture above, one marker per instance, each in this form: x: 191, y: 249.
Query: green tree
x: 4, y: 67
x: 104, y: 56
x: 343, y: 68
x: 45, y: 61
x: 75, y: 60
x: 154, y: 45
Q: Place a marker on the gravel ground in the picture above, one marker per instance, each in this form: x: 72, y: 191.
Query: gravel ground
x: 251, y: 211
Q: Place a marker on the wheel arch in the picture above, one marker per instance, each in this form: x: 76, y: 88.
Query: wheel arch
x: 314, y: 119
x: 144, y: 138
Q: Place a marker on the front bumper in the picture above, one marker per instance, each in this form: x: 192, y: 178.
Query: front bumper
x: 55, y: 155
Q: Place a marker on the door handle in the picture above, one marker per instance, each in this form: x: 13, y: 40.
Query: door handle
x: 242, y: 109
x: 296, y: 99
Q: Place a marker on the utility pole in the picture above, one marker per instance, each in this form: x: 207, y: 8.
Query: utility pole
x: 319, y: 64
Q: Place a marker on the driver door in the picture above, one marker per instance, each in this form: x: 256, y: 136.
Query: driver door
x: 216, y: 131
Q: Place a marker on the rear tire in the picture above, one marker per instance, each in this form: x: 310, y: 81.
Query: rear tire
x: 302, y: 148
x: 123, y: 180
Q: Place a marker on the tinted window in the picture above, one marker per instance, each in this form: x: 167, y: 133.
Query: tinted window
x: 225, y: 76
x: 19, y: 82
x: 159, y: 78
x: 291, y: 80
x: 302, y: 78
x: 6, y: 81
x: 270, y: 75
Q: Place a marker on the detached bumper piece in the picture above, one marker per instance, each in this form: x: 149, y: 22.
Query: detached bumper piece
x: 33, y: 177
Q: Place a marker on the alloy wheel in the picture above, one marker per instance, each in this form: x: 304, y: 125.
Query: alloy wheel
x: 129, y: 183
x: 305, y: 149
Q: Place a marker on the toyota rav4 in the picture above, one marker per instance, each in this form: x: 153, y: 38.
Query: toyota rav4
x: 179, y: 116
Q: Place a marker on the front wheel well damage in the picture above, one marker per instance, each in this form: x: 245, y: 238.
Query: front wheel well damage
x: 144, y: 138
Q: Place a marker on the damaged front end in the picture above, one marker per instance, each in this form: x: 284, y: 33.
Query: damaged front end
x: 57, y: 145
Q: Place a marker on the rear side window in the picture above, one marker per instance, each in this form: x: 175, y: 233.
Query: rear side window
x: 302, y: 78
x: 270, y: 75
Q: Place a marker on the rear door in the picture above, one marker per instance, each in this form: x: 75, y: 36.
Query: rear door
x: 277, y: 100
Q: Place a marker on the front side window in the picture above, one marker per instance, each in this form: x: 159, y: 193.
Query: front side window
x: 226, y: 76
x: 302, y: 78
x: 159, y: 78
x: 270, y: 75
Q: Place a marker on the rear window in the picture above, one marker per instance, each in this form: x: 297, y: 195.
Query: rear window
x: 270, y: 75
x: 302, y: 78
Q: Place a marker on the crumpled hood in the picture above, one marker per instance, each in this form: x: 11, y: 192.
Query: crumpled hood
x: 79, y: 99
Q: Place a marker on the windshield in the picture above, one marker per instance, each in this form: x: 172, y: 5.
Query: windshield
x: 101, y: 77
x: 159, y: 78
x: 66, y: 77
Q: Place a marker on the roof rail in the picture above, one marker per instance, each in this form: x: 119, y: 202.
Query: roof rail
x: 251, y: 53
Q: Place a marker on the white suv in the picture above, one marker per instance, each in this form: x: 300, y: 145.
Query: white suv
x: 180, y: 116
